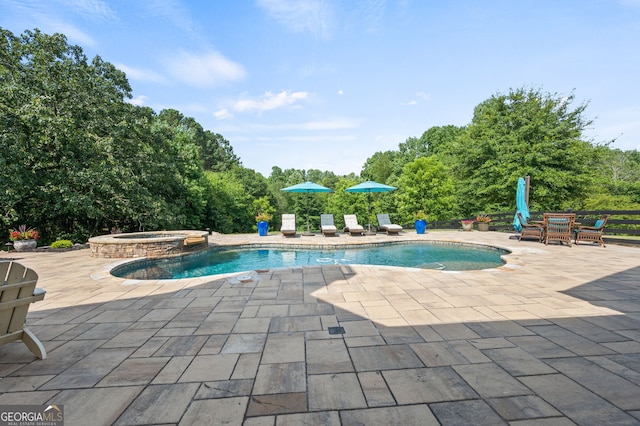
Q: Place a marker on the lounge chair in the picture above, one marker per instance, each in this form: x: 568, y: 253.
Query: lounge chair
x: 351, y: 225
x: 384, y: 224
x: 17, y: 291
x: 326, y: 225
x: 592, y: 234
x: 558, y: 227
x: 530, y: 230
x: 288, y: 227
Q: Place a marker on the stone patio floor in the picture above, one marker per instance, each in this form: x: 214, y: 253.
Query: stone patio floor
x: 551, y: 338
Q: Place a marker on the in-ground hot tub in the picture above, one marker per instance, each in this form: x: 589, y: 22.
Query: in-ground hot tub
x: 148, y: 244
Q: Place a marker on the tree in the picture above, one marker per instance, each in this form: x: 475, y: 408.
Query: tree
x: 342, y: 202
x: 525, y: 132
x: 57, y: 113
x: 230, y: 206
x: 77, y: 159
x: 380, y: 166
x: 425, y: 185
x: 618, y: 173
x: 216, y: 152
x: 434, y: 140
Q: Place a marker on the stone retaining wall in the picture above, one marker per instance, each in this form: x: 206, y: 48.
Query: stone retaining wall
x: 167, y: 243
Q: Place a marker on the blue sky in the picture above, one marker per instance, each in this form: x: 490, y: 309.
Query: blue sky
x: 324, y: 84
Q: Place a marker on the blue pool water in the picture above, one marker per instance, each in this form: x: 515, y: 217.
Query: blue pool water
x: 448, y: 257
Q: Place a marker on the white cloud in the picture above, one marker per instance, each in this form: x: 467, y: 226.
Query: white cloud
x: 335, y: 124
x: 223, y: 114
x: 140, y: 74
x: 329, y: 125
x: 72, y: 33
x: 340, y: 92
x: 373, y: 12
x: 420, y: 96
x: 205, y: 70
x: 93, y: 8
x: 174, y: 12
x: 138, y: 100
x: 281, y: 140
x: 313, y: 16
x: 269, y: 101
x: 630, y: 3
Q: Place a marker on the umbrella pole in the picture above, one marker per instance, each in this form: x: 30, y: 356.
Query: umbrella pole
x: 369, y: 204
x: 369, y: 217
x: 308, y: 212
x: 308, y: 233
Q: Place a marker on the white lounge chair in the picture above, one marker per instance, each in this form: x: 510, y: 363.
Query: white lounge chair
x: 326, y: 225
x: 17, y: 291
x: 384, y: 223
x: 288, y: 227
x: 351, y: 225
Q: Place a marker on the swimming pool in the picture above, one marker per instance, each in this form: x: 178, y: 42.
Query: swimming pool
x: 441, y: 256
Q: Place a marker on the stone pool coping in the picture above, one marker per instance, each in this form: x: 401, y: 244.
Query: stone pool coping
x: 509, y: 261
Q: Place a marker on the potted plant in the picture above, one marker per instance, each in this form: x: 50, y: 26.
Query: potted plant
x: 483, y: 220
x: 421, y: 221
x: 24, y: 239
x: 467, y: 224
x: 263, y: 223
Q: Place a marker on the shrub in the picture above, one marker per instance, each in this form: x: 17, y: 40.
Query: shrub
x: 62, y: 244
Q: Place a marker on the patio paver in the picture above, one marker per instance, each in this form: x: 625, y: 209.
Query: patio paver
x: 528, y: 343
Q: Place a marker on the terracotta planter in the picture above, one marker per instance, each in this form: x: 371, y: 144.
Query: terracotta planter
x: 24, y: 245
x: 483, y: 226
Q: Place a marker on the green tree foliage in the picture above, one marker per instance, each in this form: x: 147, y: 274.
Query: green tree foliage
x: 380, y: 167
x: 215, y: 152
x: 57, y: 115
x: 77, y: 159
x: 525, y: 132
x: 425, y: 185
x: 435, y: 140
x: 342, y: 202
x: 263, y: 206
x: 618, y: 173
x: 230, y: 207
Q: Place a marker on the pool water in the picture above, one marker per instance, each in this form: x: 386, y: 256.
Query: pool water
x: 447, y: 257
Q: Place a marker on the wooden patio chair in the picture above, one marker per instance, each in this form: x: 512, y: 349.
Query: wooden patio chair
x: 530, y: 230
x: 592, y: 234
x: 558, y: 227
x: 17, y: 291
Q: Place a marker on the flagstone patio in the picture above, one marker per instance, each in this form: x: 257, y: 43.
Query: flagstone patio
x: 552, y: 338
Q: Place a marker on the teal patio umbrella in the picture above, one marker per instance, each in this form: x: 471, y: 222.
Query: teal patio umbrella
x: 369, y: 187
x: 521, y: 204
x: 308, y: 188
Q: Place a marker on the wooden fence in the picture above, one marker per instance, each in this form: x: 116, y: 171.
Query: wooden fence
x: 621, y: 227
